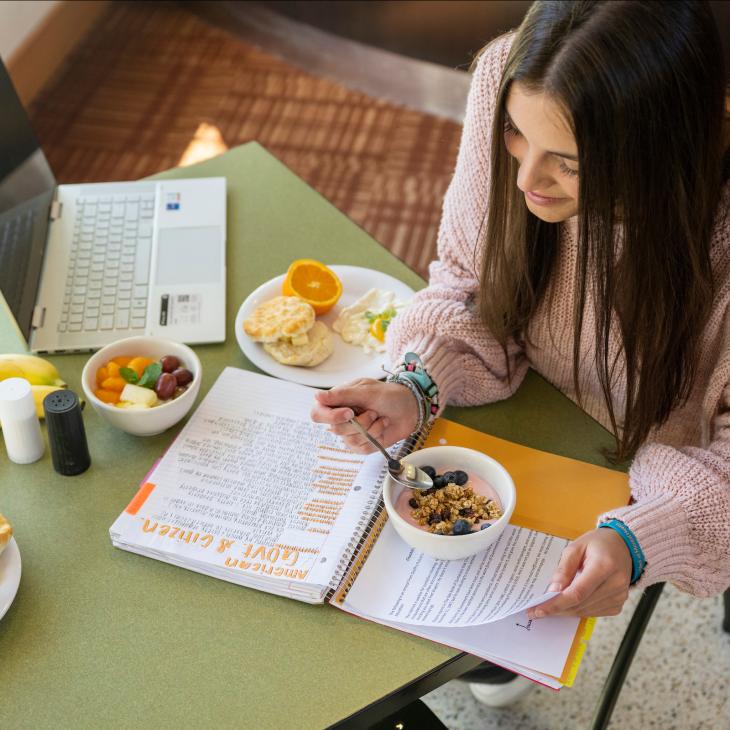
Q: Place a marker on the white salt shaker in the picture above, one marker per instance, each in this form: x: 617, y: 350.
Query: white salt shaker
x: 21, y: 429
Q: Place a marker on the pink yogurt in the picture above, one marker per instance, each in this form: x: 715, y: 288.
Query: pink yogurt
x: 480, y: 486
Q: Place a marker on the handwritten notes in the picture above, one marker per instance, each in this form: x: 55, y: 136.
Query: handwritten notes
x: 251, y: 488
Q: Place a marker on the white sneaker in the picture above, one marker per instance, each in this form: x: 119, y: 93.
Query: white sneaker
x: 501, y: 695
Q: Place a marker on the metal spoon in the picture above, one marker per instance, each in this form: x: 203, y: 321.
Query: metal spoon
x: 400, y: 471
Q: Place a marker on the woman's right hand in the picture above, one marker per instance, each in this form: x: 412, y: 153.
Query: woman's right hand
x: 387, y: 411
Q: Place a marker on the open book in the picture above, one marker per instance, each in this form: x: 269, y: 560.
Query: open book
x: 254, y: 493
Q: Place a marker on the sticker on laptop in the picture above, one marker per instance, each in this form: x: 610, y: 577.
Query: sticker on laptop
x: 172, y: 201
x: 179, y: 309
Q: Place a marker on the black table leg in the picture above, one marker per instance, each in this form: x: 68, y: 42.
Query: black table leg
x: 624, y: 656
x: 726, y: 619
x: 386, y: 707
x: 416, y: 716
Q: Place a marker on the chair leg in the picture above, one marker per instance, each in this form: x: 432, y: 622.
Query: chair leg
x: 624, y: 656
x: 726, y: 619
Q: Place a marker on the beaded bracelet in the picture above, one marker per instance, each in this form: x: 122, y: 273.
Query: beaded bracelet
x: 414, y: 376
x: 417, y: 394
x: 638, y: 561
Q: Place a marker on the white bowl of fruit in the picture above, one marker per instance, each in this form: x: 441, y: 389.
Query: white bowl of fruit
x: 142, y: 385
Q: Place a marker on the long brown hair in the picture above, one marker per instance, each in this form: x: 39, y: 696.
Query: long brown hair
x: 642, y: 86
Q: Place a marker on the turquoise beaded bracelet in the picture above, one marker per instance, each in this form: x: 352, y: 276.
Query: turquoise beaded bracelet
x: 638, y: 561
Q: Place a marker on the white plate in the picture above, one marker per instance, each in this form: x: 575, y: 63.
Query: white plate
x: 9, y: 575
x: 347, y: 362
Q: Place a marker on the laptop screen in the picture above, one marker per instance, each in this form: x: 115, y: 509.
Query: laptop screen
x: 26, y: 192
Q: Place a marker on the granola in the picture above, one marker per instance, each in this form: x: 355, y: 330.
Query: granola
x: 437, y: 510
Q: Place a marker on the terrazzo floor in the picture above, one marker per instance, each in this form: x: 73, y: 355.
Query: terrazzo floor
x: 679, y: 680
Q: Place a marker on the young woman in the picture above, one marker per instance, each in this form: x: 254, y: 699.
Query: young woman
x: 586, y: 234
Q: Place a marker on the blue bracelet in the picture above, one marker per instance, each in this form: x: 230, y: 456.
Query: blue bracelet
x: 638, y: 561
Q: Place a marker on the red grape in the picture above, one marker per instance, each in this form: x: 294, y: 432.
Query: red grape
x: 165, y: 386
x: 169, y: 363
x: 183, y: 376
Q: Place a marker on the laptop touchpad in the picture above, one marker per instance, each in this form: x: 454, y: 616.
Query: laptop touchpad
x: 188, y: 255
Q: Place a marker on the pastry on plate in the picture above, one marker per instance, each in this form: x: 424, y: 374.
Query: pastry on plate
x: 6, y: 532
x: 278, y: 318
x: 316, y: 349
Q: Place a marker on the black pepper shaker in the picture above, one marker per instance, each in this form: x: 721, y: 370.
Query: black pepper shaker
x: 66, y: 434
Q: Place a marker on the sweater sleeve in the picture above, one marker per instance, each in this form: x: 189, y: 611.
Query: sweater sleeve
x: 442, y: 324
x: 681, y: 494
x: 681, y: 512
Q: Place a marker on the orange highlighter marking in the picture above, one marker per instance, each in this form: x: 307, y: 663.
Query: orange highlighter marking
x: 140, y: 498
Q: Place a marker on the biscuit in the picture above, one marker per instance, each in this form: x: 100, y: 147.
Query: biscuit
x: 6, y: 532
x: 279, y: 317
x: 319, y: 347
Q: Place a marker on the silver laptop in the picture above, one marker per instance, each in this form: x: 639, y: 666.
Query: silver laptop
x: 84, y: 265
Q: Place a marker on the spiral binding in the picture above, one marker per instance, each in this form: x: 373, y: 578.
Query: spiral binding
x: 371, y: 513
x: 358, y: 549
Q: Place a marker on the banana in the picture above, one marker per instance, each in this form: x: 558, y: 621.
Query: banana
x: 8, y: 369
x: 39, y: 393
x: 35, y: 370
x: 42, y: 375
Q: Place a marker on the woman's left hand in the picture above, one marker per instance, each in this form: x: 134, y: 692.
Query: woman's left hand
x: 593, y: 576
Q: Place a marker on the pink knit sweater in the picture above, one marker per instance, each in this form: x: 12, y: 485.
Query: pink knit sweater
x: 680, y: 478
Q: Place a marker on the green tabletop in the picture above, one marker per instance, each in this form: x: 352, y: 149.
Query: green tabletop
x: 97, y: 636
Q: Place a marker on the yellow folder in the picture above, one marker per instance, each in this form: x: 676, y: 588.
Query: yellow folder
x: 556, y: 495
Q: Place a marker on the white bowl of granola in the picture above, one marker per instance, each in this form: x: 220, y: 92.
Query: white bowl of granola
x: 456, y: 521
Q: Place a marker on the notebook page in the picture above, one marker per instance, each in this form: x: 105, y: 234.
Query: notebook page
x: 538, y: 649
x: 251, y: 486
x: 543, y: 645
x: 399, y: 584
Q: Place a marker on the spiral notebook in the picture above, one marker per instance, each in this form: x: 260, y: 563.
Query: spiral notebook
x: 252, y: 492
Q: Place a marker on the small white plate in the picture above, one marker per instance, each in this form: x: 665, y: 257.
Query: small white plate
x: 9, y: 575
x: 347, y: 362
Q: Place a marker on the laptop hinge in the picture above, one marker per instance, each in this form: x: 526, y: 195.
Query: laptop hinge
x: 56, y: 210
x: 39, y: 316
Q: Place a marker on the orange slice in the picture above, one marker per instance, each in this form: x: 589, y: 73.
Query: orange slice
x: 107, y: 396
x: 101, y: 375
x: 114, y: 383
x: 138, y: 364
x: 313, y: 282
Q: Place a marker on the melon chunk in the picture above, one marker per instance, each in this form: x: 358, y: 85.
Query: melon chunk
x: 144, y: 397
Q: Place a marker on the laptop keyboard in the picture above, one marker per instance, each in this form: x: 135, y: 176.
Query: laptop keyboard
x: 108, y: 276
x: 15, y: 243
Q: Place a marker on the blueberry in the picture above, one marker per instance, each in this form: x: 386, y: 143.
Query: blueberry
x: 429, y: 470
x: 484, y: 526
x: 462, y: 527
x: 449, y: 477
x: 460, y: 478
x: 439, y: 483
x: 413, y: 502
